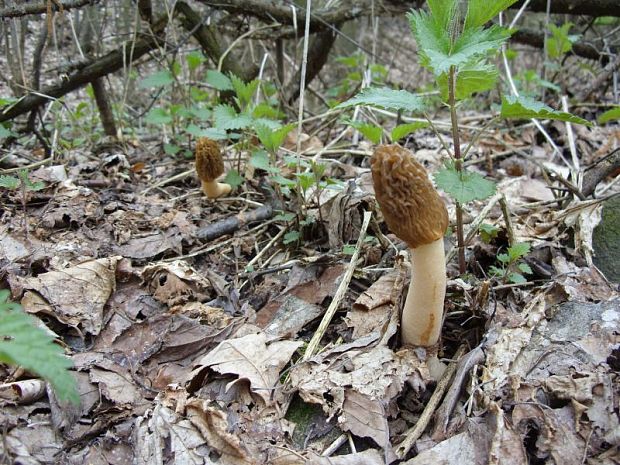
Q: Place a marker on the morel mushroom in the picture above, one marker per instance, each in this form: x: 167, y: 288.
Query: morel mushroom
x: 414, y: 212
x: 209, y: 166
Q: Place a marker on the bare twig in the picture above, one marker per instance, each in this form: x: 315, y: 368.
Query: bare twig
x: 342, y: 289
x: 37, y: 8
x: 413, y: 434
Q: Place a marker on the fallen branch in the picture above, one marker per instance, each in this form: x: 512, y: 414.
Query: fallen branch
x: 413, y: 434
x: 603, y: 168
x: 37, y: 8
x: 231, y: 224
x: 269, y: 11
x: 96, y: 69
x: 537, y: 39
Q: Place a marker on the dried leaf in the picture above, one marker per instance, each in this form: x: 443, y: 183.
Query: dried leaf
x: 249, y: 357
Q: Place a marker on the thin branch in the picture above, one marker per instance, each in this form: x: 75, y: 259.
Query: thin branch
x: 38, y: 8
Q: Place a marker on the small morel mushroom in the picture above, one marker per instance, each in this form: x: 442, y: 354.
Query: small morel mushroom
x: 414, y: 212
x: 209, y: 166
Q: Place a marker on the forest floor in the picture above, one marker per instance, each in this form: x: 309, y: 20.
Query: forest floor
x: 178, y: 340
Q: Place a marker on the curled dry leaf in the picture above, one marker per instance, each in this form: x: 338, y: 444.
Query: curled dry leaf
x: 361, y: 385
x: 162, y: 435
x: 213, y: 425
x: 74, y: 296
x: 250, y: 357
x: 175, y: 283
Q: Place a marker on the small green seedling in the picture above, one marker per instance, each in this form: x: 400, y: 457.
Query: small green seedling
x: 488, y: 232
x: 511, y: 267
x: 24, y: 184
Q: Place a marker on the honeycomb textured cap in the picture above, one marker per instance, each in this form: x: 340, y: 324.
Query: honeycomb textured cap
x: 410, y: 204
x: 209, y: 162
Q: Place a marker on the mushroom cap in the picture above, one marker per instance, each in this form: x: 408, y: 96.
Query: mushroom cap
x: 209, y: 162
x: 410, y: 204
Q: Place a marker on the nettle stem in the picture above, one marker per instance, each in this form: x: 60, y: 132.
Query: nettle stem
x: 458, y: 163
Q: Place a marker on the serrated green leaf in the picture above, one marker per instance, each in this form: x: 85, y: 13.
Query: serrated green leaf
x: 495, y: 271
x: 525, y: 108
x: 518, y: 250
x: 260, y: 159
x: 389, y: 99
x: 285, y: 217
x: 503, y: 258
x: 516, y: 278
x: 211, y: 133
x: 264, y: 110
x: 610, y: 115
x: 348, y: 249
x: 272, y: 139
x: 470, y: 45
x: 158, y: 116
x: 245, y: 91
x: 481, y: 11
x: 442, y: 12
x: 438, y: 52
x: 464, y: 186
x: 4, y: 132
x: 403, y: 130
x: 488, y: 232
x: 370, y: 131
x: 306, y: 180
x: 234, y: 178
x: 159, y: 79
x: 470, y: 79
x: 24, y: 344
x: 283, y: 181
x: 226, y: 117
x: 218, y: 80
x: 171, y: 149
x: 524, y: 268
x: 291, y: 236
x: 559, y: 43
x: 9, y: 182
x: 201, y: 113
x: 194, y: 59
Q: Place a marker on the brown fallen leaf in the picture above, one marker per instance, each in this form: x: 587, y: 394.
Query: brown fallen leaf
x: 368, y: 457
x: 162, y: 435
x: 74, y: 296
x: 213, y: 425
x: 175, y: 283
x: 361, y: 385
x: 251, y: 357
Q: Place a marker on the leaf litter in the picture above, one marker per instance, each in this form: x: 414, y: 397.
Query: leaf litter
x: 183, y: 353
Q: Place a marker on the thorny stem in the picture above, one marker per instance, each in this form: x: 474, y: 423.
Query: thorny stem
x: 458, y: 163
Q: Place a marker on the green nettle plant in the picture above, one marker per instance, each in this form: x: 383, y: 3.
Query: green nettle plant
x: 22, y: 183
x: 511, y: 267
x: 24, y: 344
x: 456, y: 45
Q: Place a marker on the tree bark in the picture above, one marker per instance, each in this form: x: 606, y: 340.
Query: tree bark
x: 575, y: 7
x: 208, y: 39
x: 270, y: 11
x: 105, y: 110
x: 537, y: 39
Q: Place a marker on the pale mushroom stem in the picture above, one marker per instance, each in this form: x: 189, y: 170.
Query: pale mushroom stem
x: 423, y: 309
x: 214, y: 189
